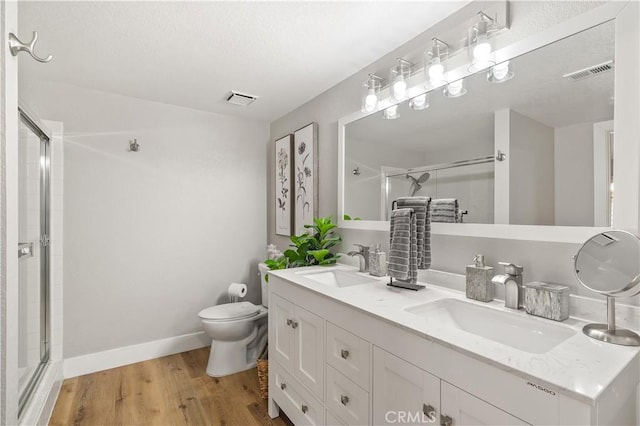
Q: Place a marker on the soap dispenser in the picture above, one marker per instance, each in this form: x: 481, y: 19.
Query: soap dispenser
x: 377, y: 262
x: 479, y: 285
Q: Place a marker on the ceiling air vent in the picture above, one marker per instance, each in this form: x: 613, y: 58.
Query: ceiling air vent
x: 590, y: 71
x: 241, y: 99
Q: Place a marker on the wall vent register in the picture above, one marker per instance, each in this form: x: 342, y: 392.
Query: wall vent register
x: 590, y: 71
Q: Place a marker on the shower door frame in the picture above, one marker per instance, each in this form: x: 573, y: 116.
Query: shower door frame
x: 45, y: 228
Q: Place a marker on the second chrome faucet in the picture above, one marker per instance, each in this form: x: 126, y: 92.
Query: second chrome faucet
x: 512, y: 281
x: 363, y: 254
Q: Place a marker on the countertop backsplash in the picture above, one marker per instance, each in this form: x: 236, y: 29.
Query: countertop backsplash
x: 592, y: 309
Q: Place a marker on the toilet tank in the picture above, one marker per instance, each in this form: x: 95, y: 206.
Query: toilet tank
x: 263, y: 269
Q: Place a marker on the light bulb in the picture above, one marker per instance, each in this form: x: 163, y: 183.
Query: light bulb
x: 482, y: 51
x: 370, y: 100
x: 436, y: 71
x: 419, y: 102
x: 398, y: 76
x: 391, y: 113
x: 455, y: 88
x: 399, y: 89
x: 501, y: 71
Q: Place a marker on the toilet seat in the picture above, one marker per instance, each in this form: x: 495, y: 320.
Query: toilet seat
x: 230, y: 311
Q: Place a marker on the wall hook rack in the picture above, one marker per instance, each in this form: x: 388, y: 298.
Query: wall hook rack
x: 16, y: 46
x: 134, y: 146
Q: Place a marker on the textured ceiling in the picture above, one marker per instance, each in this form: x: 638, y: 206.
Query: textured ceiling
x: 193, y: 53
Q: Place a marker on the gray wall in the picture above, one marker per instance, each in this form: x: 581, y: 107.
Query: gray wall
x: 531, y: 171
x: 152, y: 237
x: 542, y: 261
x: 574, y: 175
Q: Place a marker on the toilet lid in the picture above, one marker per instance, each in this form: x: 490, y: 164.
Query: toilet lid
x: 230, y: 311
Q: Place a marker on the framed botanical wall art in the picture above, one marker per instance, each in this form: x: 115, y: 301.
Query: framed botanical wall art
x: 284, y: 178
x: 305, y: 171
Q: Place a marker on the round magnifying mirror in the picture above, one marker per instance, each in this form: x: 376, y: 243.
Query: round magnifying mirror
x: 609, y: 264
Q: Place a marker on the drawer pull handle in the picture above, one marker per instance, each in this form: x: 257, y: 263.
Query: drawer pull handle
x: 304, y: 408
x: 294, y: 324
x: 429, y: 411
x: 289, y: 321
x: 344, y: 399
x: 344, y: 354
x: 446, y: 420
x: 283, y: 386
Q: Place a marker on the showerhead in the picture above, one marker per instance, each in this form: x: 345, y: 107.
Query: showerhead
x: 416, y: 184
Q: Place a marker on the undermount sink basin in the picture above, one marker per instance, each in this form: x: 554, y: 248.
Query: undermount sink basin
x: 523, y: 333
x: 338, y: 278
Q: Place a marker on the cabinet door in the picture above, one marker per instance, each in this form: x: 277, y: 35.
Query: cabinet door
x: 309, y: 362
x: 465, y: 409
x: 402, y: 392
x: 281, y: 316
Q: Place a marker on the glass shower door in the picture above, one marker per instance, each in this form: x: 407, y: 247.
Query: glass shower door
x: 33, y: 256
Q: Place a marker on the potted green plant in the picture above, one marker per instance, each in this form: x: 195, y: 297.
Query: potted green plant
x: 311, y: 248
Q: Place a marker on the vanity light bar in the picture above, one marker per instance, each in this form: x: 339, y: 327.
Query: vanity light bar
x: 483, y: 25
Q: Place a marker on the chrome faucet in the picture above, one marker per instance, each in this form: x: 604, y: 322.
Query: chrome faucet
x: 363, y: 253
x: 512, y: 281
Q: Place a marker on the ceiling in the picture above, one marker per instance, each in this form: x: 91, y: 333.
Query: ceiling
x: 538, y: 90
x: 193, y: 54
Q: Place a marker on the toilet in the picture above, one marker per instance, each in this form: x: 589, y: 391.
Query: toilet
x: 238, y: 333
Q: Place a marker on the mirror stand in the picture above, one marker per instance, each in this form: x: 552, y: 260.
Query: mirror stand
x: 608, y: 332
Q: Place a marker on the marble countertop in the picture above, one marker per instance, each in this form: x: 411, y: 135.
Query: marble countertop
x: 580, y: 366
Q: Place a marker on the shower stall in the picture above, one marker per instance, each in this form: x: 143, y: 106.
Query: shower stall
x: 33, y: 256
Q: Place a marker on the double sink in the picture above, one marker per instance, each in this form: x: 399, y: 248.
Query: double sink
x: 514, y: 329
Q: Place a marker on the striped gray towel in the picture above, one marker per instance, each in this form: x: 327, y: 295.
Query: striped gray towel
x: 444, y: 210
x: 420, y: 206
x: 403, y: 253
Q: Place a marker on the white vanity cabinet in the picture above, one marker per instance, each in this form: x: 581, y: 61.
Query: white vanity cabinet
x: 333, y: 361
x: 466, y: 409
x: 404, y: 393
x: 298, y: 343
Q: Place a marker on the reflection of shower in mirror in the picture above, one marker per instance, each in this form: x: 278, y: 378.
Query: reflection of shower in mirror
x: 416, y: 184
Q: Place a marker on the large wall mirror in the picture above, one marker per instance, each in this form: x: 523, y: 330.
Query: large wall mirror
x: 553, y: 121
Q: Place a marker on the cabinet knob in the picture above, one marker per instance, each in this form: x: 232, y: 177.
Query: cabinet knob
x: 344, y: 353
x: 344, y: 399
x: 294, y: 324
x: 446, y: 420
x: 289, y: 321
x: 283, y: 386
x: 429, y: 411
x: 304, y: 408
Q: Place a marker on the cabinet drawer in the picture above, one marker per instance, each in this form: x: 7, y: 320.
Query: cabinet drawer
x: 294, y: 399
x: 345, y: 398
x: 349, y: 354
x: 333, y: 420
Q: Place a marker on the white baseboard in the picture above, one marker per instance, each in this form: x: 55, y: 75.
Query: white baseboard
x: 90, y: 363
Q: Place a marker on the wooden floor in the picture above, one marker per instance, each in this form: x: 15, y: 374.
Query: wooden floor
x: 173, y: 390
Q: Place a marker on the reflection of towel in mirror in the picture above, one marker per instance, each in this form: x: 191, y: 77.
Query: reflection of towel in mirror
x: 444, y: 210
x: 403, y: 253
x: 420, y: 206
